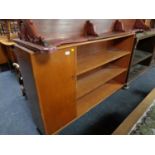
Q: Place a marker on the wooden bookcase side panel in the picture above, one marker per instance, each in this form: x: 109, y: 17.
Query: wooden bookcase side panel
x: 56, y: 84
x: 24, y: 60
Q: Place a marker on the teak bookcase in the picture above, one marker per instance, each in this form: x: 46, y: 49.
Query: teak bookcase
x: 143, y: 53
x: 65, y: 84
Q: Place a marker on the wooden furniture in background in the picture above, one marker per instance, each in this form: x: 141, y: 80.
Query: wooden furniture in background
x: 6, y: 52
x: 8, y: 31
x: 64, y: 82
x: 143, y: 53
x: 125, y: 127
x: 9, y: 28
x: 3, y: 58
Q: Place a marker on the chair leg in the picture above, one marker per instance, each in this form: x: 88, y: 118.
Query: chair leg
x: 20, y: 78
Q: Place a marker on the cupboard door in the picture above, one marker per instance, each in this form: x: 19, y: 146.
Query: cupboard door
x: 56, y: 84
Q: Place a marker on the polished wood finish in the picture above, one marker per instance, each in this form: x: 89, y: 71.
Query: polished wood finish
x: 55, y: 78
x: 94, y: 79
x: 73, y: 78
x: 88, y: 61
x: 54, y: 86
x: 125, y: 127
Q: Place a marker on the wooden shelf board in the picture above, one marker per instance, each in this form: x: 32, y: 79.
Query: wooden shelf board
x: 96, y: 79
x: 136, y: 71
x: 87, y: 102
x: 92, y: 61
x: 110, y: 36
x: 140, y: 55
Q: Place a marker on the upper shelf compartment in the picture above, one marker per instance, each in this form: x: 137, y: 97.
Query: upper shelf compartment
x: 94, y: 60
x: 94, y: 55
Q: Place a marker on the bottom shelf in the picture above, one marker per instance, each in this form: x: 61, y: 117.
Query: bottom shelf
x: 90, y: 100
x: 136, y: 70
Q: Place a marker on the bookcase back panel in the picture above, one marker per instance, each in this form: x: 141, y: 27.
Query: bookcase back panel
x: 125, y: 43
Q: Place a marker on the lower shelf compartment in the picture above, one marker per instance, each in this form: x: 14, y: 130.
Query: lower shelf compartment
x: 97, y: 78
x: 90, y: 100
x: 136, y: 71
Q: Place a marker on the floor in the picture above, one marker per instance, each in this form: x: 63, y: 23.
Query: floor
x: 15, y: 116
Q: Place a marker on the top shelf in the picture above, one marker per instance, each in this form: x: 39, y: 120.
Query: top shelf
x: 94, y: 60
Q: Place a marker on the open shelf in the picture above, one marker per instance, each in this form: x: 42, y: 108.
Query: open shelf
x: 140, y: 55
x: 94, y: 60
x: 136, y: 71
x: 96, y: 78
x: 90, y: 100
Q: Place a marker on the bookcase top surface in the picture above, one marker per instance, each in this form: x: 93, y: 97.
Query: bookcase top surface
x: 83, y: 41
x: 51, y: 34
